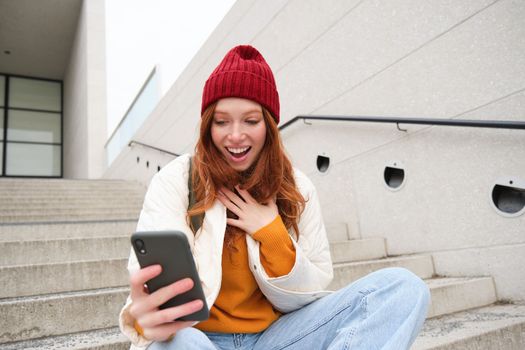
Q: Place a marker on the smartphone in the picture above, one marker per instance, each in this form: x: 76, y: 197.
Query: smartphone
x: 171, y: 250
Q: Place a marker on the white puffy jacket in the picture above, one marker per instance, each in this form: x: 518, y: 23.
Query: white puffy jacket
x: 165, y: 206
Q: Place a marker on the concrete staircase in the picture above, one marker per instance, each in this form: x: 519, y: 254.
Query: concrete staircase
x: 464, y: 312
x: 64, y: 247
x: 64, y: 250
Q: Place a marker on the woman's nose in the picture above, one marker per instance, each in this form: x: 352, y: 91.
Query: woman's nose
x: 236, y: 133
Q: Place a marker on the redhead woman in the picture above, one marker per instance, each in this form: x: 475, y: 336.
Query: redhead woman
x: 261, y: 252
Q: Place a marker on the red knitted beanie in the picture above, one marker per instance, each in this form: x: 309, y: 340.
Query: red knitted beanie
x: 244, y: 73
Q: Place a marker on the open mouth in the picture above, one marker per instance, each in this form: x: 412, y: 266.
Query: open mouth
x: 238, y: 152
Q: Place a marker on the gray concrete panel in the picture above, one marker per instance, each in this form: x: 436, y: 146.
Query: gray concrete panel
x: 369, y: 39
x: 474, y: 64
x: 299, y: 24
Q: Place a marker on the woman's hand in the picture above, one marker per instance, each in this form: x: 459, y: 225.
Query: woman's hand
x: 252, y: 215
x: 158, y: 325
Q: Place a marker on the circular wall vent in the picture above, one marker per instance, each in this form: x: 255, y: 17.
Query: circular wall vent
x: 323, y: 163
x: 394, y: 175
x: 508, y: 196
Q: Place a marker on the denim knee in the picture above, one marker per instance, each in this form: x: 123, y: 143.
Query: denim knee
x: 413, y: 286
x: 190, y: 335
x: 186, y: 338
x: 406, y: 280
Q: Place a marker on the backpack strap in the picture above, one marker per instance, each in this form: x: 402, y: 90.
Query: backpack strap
x: 196, y: 220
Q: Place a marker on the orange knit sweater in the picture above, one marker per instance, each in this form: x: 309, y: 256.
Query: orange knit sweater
x: 240, y: 306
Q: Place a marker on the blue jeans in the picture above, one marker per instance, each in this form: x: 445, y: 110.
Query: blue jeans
x: 383, y: 310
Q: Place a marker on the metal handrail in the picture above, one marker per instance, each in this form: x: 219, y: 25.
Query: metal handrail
x: 503, y: 124
x: 152, y: 147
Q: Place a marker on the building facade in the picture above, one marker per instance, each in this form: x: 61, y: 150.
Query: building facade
x: 52, y: 77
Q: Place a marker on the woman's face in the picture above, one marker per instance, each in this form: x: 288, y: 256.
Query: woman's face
x: 238, y: 130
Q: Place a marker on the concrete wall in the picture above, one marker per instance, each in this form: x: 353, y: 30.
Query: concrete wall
x: 85, y: 97
x: 75, y: 104
x: 439, y: 59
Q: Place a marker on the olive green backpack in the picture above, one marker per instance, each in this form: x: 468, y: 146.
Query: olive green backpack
x: 196, y: 220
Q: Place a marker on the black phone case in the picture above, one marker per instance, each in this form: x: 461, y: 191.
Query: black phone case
x: 171, y: 250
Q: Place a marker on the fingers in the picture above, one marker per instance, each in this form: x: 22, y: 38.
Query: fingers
x: 246, y: 196
x: 233, y: 222
x: 161, y: 296
x: 138, y: 279
x: 159, y: 324
x: 154, y: 319
x: 228, y: 204
x: 166, y: 293
x: 233, y: 197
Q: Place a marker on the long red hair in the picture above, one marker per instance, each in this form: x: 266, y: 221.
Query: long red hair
x: 270, y: 176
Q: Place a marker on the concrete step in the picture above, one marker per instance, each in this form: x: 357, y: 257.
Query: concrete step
x: 26, y: 318
x: 73, y: 217
x: 63, y: 250
x: 498, y: 326
x: 9, y: 183
x: 70, y: 193
x: 11, y: 197
x: 459, y: 293
x: 63, y: 230
x: 67, y: 210
x: 358, y: 249
x: 26, y: 280
x: 20, y: 203
x: 67, y: 207
x: 100, y: 339
x: 52, y: 185
x: 57, y: 181
x: 345, y: 273
x: 456, y: 294
x: 453, y: 285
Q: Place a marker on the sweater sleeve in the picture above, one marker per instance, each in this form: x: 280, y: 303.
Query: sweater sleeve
x: 276, y: 247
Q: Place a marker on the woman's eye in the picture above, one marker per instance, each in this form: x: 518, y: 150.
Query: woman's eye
x: 219, y: 122
x: 252, y: 121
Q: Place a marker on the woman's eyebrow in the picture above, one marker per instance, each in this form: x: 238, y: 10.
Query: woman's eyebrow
x: 247, y: 112
x: 254, y: 111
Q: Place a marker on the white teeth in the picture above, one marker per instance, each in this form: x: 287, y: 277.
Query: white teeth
x: 237, y: 150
